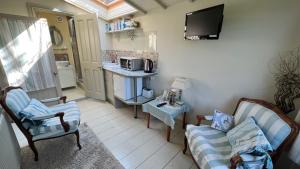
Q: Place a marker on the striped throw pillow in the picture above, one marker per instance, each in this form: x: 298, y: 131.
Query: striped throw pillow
x: 35, y: 109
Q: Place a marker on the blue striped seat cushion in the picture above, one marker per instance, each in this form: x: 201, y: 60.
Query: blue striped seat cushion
x: 16, y: 100
x: 209, y: 147
x: 52, y: 127
x: 274, y: 128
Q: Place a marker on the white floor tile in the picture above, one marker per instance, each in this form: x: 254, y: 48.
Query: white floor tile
x: 128, y: 138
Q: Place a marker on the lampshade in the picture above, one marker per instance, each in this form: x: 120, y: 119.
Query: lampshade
x: 181, y: 83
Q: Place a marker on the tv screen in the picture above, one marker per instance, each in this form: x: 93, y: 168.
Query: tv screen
x: 204, y: 24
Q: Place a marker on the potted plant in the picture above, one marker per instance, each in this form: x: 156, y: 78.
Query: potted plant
x: 287, y: 81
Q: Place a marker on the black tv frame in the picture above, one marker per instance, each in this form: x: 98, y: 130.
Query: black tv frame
x: 203, y: 37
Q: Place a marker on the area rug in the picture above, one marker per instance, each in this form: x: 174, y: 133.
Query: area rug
x: 63, y: 153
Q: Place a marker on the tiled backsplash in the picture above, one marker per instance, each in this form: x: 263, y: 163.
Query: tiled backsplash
x: 114, y: 55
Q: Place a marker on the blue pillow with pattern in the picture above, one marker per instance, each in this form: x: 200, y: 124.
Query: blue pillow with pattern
x: 35, y: 109
x: 222, y: 121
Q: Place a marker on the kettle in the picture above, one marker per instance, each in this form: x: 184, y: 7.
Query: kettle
x: 148, y: 66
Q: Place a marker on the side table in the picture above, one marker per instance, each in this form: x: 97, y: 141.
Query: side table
x: 166, y: 114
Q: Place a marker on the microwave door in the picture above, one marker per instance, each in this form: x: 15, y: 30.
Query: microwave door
x: 129, y: 64
x: 124, y: 63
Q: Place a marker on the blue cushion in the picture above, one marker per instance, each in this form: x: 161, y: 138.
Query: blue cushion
x: 209, y: 147
x: 16, y: 100
x: 35, y: 109
x: 247, y: 136
x: 222, y: 121
x: 52, y: 127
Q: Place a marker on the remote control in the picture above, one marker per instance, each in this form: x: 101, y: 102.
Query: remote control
x: 161, y: 104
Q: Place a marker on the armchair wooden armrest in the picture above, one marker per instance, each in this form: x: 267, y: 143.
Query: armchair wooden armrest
x: 237, y: 159
x: 200, y: 118
x: 273, y: 155
x: 234, y: 161
x: 65, y: 125
x: 62, y: 99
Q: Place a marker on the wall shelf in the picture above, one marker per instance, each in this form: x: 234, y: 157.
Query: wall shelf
x: 123, y: 30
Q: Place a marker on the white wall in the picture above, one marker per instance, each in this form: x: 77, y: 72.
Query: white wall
x: 239, y: 64
x: 105, y: 39
x: 10, y: 153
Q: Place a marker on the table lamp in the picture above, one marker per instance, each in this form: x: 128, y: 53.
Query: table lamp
x: 180, y: 83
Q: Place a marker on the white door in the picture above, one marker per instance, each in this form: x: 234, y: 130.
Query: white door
x: 88, y: 39
x: 27, y: 57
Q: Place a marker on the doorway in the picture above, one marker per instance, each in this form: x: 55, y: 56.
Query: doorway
x: 63, y: 37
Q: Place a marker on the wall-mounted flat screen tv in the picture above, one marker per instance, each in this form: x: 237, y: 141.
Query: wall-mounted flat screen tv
x: 204, y: 24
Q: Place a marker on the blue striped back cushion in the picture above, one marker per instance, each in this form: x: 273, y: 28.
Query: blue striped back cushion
x: 274, y: 128
x: 17, y: 100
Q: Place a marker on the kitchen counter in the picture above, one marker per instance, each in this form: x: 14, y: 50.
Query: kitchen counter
x: 115, y: 68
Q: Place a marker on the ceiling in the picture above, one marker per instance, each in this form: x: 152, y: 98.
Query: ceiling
x: 145, y: 6
x: 110, y: 9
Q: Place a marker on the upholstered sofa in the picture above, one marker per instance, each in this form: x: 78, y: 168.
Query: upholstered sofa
x: 210, y: 148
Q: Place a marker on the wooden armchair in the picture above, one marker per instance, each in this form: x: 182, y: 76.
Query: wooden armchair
x: 14, y: 100
x: 279, y: 129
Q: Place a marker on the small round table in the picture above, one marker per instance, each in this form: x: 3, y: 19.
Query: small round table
x: 166, y: 114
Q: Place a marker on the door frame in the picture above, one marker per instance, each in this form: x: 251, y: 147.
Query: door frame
x: 33, y: 8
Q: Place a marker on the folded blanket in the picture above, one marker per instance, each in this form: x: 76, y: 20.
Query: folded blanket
x: 249, y: 141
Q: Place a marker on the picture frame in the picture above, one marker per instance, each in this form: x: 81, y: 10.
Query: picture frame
x: 171, y: 95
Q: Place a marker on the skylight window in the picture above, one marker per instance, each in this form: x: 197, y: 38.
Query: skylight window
x: 106, y: 9
x: 109, y: 3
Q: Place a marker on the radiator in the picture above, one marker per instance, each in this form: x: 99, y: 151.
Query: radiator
x: 9, y: 147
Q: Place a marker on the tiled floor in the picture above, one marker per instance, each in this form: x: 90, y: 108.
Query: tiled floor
x: 74, y: 93
x: 130, y: 141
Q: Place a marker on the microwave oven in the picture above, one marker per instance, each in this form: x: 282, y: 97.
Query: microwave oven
x: 131, y: 63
